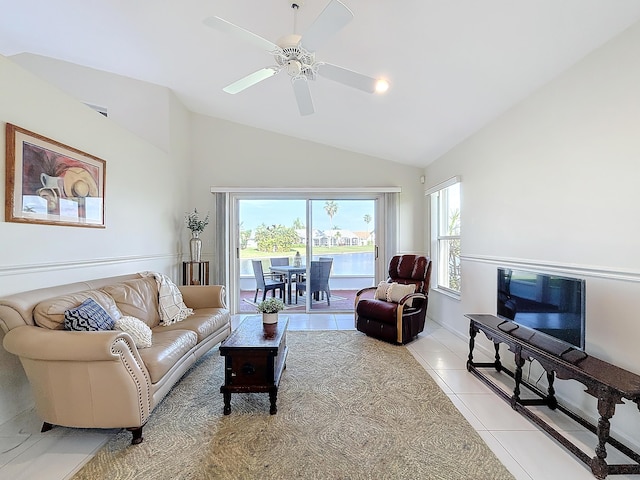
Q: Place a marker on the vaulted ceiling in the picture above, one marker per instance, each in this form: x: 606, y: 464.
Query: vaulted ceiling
x: 453, y: 65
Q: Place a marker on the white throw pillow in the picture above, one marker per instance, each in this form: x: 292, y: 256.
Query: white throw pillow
x: 381, y: 291
x: 396, y: 291
x: 139, y: 331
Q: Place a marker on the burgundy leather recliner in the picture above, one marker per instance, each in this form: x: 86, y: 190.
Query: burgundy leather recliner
x: 397, y: 322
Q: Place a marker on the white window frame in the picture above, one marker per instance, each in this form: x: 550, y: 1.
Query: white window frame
x: 440, y: 204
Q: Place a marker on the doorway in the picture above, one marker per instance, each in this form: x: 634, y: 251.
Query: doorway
x: 338, y: 230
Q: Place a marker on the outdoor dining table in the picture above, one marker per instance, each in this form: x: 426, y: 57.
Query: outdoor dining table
x: 288, y: 271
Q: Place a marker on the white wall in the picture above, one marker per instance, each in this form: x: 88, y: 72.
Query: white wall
x: 140, y: 107
x: 226, y: 154
x: 553, y: 184
x: 144, y: 205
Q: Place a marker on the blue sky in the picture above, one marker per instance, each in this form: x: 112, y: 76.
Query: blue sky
x: 350, y: 214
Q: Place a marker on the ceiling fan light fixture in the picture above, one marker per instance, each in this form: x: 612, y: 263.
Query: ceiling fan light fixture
x: 382, y: 85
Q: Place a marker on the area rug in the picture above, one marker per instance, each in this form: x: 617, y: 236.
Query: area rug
x: 349, y: 407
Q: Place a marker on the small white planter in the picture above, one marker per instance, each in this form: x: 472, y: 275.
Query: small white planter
x: 270, y: 318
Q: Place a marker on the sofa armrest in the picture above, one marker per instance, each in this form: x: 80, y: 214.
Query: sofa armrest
x: 204, y: 296
x: 39, y: 343
x: 84, y: 379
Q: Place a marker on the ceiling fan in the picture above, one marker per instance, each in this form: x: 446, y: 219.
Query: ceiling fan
x: 295, y: 54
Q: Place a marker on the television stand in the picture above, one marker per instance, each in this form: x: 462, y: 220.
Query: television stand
x: 606, y: 382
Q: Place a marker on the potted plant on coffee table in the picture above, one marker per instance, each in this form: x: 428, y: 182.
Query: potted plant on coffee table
x: 269, y: 309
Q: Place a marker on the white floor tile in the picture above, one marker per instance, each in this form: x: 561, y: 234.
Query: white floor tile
x: 438, y: 379
x: 541, y: 457
x: 504, y: 456
x: 495, y: 413
x: 461, y: 381
x: 443, y: 359
x: 53, y: 458
x: 466, y: 413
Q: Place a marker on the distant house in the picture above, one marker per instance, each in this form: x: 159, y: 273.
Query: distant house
x: 338, y: 237
x: 365, y: 238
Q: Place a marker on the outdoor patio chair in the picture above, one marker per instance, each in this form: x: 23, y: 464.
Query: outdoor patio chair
x: 395, y: 314
x: 330, y: 260
x: 266, y: 283
x: 318, y: 280
x: 279, y: 262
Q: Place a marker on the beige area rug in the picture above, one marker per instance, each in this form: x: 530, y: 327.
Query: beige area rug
x: 349, y: 407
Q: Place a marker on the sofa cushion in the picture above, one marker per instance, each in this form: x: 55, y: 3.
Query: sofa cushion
x: 203, y: 322
x: 137, y: 298
x: 168, y: 347
x: 50, y: 313
x: 139, y: 331
x: 89, y: 316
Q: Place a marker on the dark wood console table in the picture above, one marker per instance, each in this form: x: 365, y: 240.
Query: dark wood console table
x: 606, y: 382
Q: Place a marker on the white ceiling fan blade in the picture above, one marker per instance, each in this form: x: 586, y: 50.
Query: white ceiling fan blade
x: 348, y: 77
x: 240, y: 33
x: 334, y: 16
x: 249, y: 80
x: 303, y: 96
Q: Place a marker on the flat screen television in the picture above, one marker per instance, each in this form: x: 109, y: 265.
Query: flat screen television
x: 551, y: 304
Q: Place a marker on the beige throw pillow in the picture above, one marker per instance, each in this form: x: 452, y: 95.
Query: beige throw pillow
x: 139, y: 331
x: 396, y: 291
x: 393, y: 292
x: 381, y: 291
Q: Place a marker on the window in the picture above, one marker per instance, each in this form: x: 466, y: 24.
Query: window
x: 445, y: 234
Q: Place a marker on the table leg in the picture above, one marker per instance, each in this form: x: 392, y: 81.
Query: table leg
x: 273, y: 395
x: 519, y: 360
x: 606, y: 409
x: 227, y: 402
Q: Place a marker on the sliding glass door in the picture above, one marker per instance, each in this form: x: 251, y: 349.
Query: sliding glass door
x: 289, y: 236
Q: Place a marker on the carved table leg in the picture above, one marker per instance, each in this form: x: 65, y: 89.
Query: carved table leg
x: 498, y: 364
x: 606, y: 409
x: 472, y: 341
x: 552, y: 402
x: 518, y: 378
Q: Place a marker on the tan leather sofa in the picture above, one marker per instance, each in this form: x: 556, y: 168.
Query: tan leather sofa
x: 100, y: 379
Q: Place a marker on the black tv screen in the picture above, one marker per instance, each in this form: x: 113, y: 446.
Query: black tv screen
x: 551, y: 304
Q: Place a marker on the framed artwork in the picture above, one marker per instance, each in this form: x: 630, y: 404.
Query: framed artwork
x: 51, y: 183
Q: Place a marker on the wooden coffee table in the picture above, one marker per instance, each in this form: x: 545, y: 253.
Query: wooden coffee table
x: 255, y: 357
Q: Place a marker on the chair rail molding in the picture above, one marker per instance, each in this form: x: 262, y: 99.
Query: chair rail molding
x: 8, y: 270
x: 568, y: 268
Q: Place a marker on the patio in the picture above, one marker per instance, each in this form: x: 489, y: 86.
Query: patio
x: 341, y: 301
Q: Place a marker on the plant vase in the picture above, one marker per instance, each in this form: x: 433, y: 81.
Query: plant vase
x: 195, y: 245
x: 270, y: 318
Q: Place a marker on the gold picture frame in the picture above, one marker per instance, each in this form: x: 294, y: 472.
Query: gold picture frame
x: 50, y: 183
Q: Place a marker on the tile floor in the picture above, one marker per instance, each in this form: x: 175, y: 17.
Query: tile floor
x: 528, y: 452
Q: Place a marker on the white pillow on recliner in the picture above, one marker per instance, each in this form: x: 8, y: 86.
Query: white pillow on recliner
x: 393, y: 292
x: 397, y: 290
x: 381, y: 291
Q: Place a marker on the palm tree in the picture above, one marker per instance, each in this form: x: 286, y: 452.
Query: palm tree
x: 367, y: 219
x: 331, y: 208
